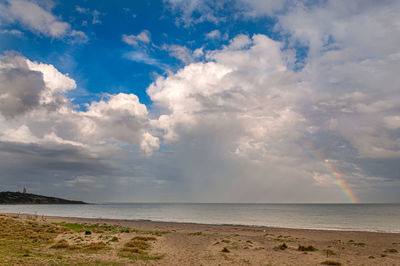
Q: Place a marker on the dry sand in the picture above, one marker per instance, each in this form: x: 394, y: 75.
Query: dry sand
x: 200, y: 244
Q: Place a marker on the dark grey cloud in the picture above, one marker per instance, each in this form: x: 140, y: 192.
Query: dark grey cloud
x: 20, y: 90
x: 22, y: 160
x: 26, y: 85
x: 386, y: 168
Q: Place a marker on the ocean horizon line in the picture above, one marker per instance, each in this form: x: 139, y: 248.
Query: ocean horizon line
x: 244, y: 203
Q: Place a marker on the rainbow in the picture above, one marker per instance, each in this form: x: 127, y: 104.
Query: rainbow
x: 335, y: 175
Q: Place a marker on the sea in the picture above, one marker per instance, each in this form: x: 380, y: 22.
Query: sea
x: 352, y: 217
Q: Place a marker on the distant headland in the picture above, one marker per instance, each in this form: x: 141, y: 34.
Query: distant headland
x: 28, y: 198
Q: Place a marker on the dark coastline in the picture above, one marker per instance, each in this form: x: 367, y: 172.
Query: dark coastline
x: 8, y: 197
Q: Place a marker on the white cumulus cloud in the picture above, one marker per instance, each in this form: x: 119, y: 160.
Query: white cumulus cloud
x: 39, y: 19
x: 143, y: 37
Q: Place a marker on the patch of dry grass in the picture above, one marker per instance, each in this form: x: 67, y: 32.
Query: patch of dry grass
x: 138, y: 249
x: 357, y: 244
x: 331, y: 262
x: 306, y: 248
x: 114, y: 239
x: 390, y: 250
x: 329, y: 252
x: 127, y: 251
x: 145, y: 238
x: 95, y: 246
x: 94, y: 228
x: 141, y: 244
x: 31, y: 241
x: 281, y: 247
x: 196, y: 234
x: 225, y: 250
x: 23, y: 240
x: 61, y: 244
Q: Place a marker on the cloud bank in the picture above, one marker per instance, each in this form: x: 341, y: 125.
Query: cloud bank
x: 236, y: 126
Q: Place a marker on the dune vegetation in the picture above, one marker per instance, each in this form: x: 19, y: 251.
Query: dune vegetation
x: 33, y: 240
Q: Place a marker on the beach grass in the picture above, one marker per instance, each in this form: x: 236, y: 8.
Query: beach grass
x: 35, y: 240
x: 196, y: 234
x: 32, y: 241
x: 331, y: 262
x: 281, y: 247
x: 306, y: 248
x: 138, y: 248
x: 96, y: 228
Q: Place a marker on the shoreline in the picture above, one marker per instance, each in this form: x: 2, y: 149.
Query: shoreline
x: 172, y: 243
x: 262, y: 227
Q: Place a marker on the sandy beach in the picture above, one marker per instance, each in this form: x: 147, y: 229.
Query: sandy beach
x: 123, y: 242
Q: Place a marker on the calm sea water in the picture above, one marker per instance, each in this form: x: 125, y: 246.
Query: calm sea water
x: 360, y: 217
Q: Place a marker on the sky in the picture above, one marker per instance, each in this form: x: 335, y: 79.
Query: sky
x: 201, y: 101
